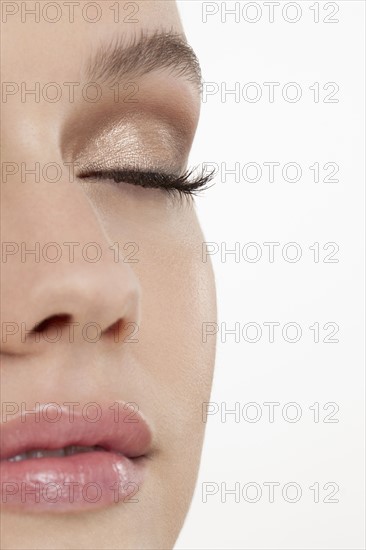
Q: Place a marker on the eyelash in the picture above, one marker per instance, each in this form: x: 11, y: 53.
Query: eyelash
x: 184, y: 185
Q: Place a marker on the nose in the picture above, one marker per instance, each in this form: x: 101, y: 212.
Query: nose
x: 60, y: 270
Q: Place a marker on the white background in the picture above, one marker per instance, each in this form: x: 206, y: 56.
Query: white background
x: 303, y: 292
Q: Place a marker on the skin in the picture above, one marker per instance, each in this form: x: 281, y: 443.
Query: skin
x: 168, y: 292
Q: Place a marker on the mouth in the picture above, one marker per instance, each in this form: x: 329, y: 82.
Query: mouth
x: 73, y: 465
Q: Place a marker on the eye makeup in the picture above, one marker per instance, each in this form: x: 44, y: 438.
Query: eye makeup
x: 147, y: 152
x: 146, y: 144
x: 184, y: 184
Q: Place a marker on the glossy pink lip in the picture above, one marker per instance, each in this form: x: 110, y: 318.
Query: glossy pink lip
x: 88, y: 480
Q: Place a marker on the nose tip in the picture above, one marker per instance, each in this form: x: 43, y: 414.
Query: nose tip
x: 92, y: 301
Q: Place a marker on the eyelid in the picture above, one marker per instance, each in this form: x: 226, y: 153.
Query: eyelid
x: 184, y: 184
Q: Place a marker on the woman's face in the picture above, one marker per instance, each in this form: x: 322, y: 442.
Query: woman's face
x: 109, y: 307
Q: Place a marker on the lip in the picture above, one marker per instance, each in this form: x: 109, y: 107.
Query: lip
x: 87, y: 480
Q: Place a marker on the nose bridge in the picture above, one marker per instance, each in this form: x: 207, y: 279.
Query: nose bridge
x: 56, y: 257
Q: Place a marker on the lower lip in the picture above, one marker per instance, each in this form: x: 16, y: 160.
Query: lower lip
x: 83, y: 481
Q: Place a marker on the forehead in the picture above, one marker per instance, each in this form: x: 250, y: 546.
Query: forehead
x: 53, y: 40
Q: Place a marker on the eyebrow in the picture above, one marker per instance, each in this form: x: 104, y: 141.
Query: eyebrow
x: 142, y: 55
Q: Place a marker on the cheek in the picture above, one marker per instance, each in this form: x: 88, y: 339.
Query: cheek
x: 177, y: 297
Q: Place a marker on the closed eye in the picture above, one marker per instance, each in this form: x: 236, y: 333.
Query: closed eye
x: 185, y: 184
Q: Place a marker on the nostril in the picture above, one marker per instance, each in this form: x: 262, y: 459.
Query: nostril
x: 115, y: 329
x: 54, y: 321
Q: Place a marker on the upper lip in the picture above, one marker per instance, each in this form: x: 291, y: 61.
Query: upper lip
x: 117, y: 431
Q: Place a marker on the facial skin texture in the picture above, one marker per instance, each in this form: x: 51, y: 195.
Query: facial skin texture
x: 168, y: 292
